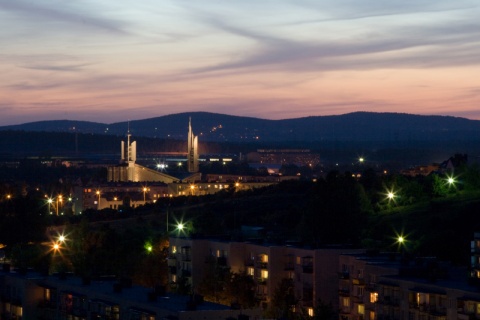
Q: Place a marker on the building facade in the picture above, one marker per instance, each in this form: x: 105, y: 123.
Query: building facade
x: 386, y: 286
x: 312, y: 272
x: 32, y: 296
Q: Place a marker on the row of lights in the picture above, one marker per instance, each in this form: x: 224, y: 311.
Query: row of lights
x: 391, y: 194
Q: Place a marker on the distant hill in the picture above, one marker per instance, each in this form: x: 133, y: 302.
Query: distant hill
x: 357, y: 126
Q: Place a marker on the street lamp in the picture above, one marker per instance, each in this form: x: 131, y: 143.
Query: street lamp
x: 144, y: 194
x: 59, y: 199
x: 49, y: 201
x: 62, y: 238
x: 401, y: 242
x: 451, y: 181
x: 98, y: 194
x: 391, y: 195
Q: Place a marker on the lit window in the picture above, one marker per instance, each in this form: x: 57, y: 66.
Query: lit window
x: 264, y: 274
x: 299, y: 260
x: 373, y: 297
x: 264, y: 258
x: 346, y: 302
x: 250, y: 271
x: 361, y: 309
x: 174, y: 278
x: 174, y: 249
x: 310, y: 312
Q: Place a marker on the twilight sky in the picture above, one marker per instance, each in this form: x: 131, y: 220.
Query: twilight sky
x: 117, y: 60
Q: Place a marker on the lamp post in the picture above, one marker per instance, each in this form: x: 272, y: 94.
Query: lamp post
x: 144, y: 194
x: 56, y: 207
x: 59, y: 203
x: 98, y: 204
x: 49, y: 201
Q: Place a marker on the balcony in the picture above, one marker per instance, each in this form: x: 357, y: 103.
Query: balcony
x: 222, y: 261
x: 186, y: 257
x: 249, y: 262
x: 389, y: 301
x: 307, y: 268
x: 171, y: 262
x: 437, y: 311
x: 344, y: 292
x: 358, y: 281
x: 289, y: 266
x: 464, y: 315
x: 261, y: 265
x: 261, y: 296
x: 47, y: 304
x: 371, y: 287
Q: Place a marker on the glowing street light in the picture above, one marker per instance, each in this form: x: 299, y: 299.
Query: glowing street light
x: 49, y: 201
x: 451, y: 180
x: 180, y: 226
x: 401, y: 242
x: 390, y: 195
x: 361, y: 159
x: 61, y: 238
x: 144, y: 194
x: 148, y: 246
x: 98, y: 194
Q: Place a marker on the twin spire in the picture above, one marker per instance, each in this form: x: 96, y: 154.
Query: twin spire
x: 129, y: 154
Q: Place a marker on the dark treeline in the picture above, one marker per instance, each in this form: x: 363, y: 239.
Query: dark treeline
x: 391, y: 154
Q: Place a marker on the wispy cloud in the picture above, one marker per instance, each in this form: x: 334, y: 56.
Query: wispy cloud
x: 66, y: 12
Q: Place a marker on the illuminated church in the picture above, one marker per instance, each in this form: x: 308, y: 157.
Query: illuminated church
x: 128, y: 170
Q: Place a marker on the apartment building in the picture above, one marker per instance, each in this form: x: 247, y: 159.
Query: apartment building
x: 313, y: 272
x: 387, y: 286
x: 33, y: 296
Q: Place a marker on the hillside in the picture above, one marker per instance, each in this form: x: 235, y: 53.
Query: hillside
x: 358, y: 126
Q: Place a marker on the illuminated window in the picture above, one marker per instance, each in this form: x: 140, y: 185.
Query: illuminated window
x: 478, y: 308
x: 373, y: 297
x: 174, y: 278
x: 361, y: 309
x: 310, y: 312
x: 372, y: 315
x: 264, y: 258
x: 174, y: 249
x: 346, y: 302
x: 299, y: 261
x: 264, y: 274
x: 47, y: 294
x: 250, y: 271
